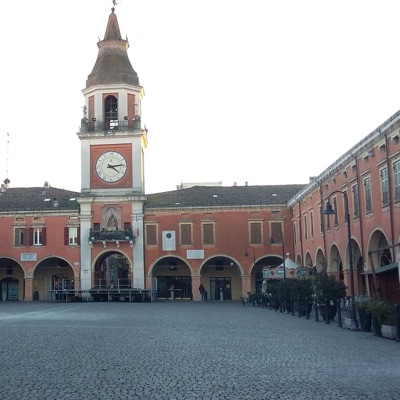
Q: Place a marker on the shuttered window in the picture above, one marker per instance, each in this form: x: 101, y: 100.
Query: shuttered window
x: 151, y: 234
x: 208, y: 233
x: 186, y: 234
x: 255, y: 233
x: 276, y: 232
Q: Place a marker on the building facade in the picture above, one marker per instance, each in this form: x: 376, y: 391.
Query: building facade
x: 112, y: 240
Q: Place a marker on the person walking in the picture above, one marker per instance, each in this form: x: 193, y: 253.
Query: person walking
x: 201, y: 290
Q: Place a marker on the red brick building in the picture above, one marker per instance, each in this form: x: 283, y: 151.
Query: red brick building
x: 112, y: 240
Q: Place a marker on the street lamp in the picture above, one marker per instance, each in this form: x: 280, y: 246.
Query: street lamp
x: 330, y: 211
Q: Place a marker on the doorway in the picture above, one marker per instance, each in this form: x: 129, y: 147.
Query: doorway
x: 220, y: 286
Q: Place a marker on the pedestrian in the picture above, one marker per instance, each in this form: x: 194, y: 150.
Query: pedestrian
x: 201, y: 290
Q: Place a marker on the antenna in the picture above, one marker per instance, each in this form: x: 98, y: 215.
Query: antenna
x: 8, y: 146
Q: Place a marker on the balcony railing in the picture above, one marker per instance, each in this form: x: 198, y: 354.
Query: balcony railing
x: 107, y: 236
x: 110, y: 126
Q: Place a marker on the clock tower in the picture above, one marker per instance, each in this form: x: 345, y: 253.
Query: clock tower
x: 112, y: 169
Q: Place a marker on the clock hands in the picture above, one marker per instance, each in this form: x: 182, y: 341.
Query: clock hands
x: 114, y: 166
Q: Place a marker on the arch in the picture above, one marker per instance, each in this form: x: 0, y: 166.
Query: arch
x: 49, y: 270
x: 12, y: 278
x: 320, y: 261
x: 334, y: 260
x: 308, y: 263
x: 112, y: 269
x: 155, y: 264
x: 378, y: 247
x: 222, y: 275
x: 174, y: 277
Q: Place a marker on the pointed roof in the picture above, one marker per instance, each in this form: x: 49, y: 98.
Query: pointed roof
x: 112, y: 65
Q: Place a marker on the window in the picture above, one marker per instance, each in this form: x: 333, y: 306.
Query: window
x: 208, y: 233
x: 294, y: 233
x: 356, y: 204
x: 328, y: 221
x: 20, y: 236
x: 384, y: 186
x: 37, y: 236
x: 345, y: 205
x: 111, y: 113
x: 311, y: 224
x: 186, y: 234
x: 276, y: 232
x: 335, y: 218
x: 367, y: 191
x: 73, y: 236
x: 305, y: 228
x: 396, y: 176
x: 151, y: 235
x: 255, y: 233
x: 321, y: 220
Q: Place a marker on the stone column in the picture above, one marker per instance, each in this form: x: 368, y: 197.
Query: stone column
x: 28, y: 295
x: 195, y: 287
x: 246, y: 285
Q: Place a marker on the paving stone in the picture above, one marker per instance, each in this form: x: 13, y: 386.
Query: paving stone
x: 187, y: 351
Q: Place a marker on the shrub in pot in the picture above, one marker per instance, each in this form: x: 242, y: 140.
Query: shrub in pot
x: 382, y: 314
x: 364, y: 314
x: 328, y: 291
x: 302, y: 292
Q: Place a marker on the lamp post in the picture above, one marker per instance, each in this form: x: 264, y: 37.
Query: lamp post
x: 284, y: 274
x: 330, y: 211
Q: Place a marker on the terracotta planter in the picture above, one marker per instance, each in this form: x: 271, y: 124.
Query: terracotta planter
x: 377, y: 328
x: 388, y: 331
x: 331, y: 312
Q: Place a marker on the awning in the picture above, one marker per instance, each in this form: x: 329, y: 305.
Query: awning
x: 382, y: 270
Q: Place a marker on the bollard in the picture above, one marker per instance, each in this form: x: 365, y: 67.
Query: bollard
x: 307, y: 309
x: 339, y: 313
x: 221, y: 295
x: 298, y: 307
x: 292, y: 303
x: 316, y: 310
x: 326, y: 312
x: 396, y: 307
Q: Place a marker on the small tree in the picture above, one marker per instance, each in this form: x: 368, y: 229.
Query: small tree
x: 302, y: 290
x: 327, y: 288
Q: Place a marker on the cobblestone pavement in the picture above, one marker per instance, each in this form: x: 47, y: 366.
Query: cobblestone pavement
x: 187, y: 351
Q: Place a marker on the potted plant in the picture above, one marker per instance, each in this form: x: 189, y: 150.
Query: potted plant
x: 364, y: 313
x: 272, y: 289
x: 283, y: 288
x: 328, y: 291
x: 302, y: 292
x: 383, y: 318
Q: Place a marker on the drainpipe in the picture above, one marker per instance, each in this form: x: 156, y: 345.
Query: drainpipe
x: 391, y: 198
x: 323, y: 225
x: 301, y: 234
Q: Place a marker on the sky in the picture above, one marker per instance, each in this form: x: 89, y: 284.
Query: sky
x: 258, y: 91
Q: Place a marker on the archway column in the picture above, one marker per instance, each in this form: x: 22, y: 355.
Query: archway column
x: 246, y: 285
x: 28, y: 291
x: 195, y: 287
x: 346, y: 277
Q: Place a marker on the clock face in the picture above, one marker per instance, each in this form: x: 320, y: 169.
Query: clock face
x: 111, y: 166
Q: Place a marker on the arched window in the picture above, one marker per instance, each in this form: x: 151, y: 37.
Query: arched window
x: 111, y: 113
